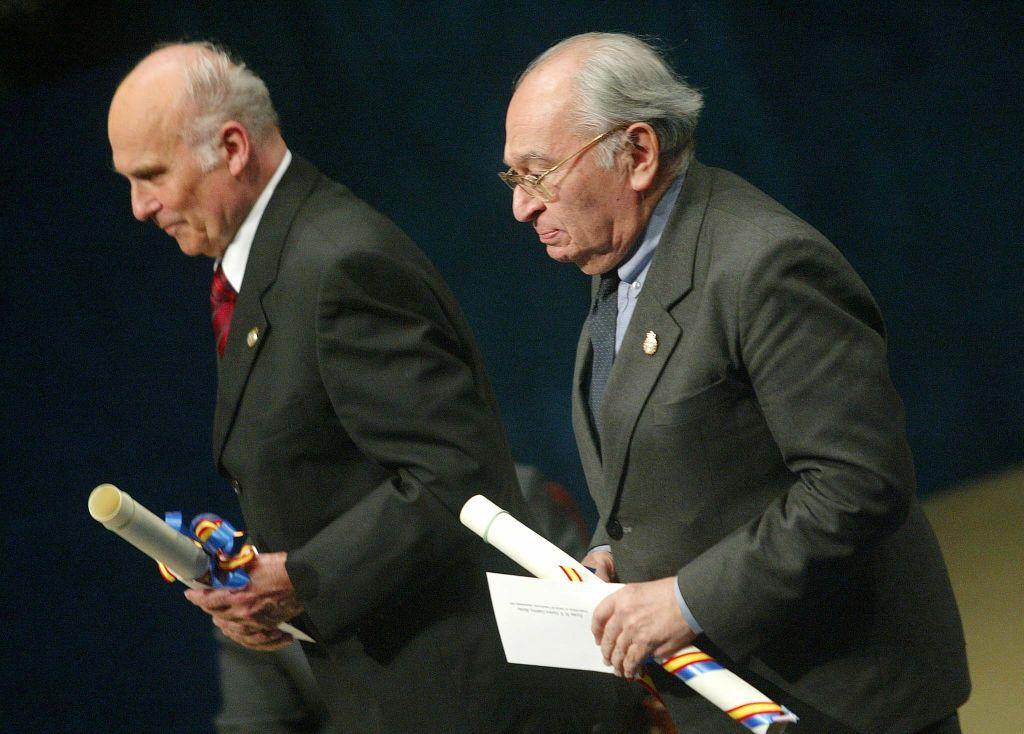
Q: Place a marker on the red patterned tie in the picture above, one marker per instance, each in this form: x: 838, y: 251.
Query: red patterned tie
x: 222, y: 304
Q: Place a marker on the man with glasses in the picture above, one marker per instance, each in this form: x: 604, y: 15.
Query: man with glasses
x: 353, y: 418
x: 732, y: 406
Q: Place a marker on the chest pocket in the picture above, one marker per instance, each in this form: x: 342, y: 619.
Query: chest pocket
x: 722, y: 405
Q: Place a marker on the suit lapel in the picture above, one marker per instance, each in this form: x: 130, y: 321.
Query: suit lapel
x: 249, y: 323
x: 586, y: 439
x: 635, y: 372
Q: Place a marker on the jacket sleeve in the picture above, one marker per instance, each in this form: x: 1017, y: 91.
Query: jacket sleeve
x: 404, y: 385
x: 811, y: 341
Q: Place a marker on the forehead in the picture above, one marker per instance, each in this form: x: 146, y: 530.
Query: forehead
x: 143, y: 124
x: 538, y: 124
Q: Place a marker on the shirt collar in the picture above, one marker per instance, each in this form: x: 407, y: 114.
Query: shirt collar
x: 636, y: 266
x: 237, y: 253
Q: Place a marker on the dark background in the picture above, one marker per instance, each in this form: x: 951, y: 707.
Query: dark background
x: 895, y: 131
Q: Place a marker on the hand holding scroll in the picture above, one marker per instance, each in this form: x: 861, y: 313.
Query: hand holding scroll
x: 198, y: 564
x: 250, y: 615
x: 637, y: 621
x: 634, y: 621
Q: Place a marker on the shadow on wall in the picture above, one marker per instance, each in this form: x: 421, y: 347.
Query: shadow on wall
x: 981, y: 529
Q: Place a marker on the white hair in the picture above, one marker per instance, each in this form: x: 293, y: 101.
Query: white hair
x: 219, y: 88
x: 622, y: 79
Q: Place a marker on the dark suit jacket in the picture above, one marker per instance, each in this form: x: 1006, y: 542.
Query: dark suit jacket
x: 759, y: 456
x: 354, y: 419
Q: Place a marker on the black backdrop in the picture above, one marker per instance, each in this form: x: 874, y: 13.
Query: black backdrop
x: 893, y: 130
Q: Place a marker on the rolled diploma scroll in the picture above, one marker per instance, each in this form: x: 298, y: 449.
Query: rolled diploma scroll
x: 118, y: 512
x: 543, y: 559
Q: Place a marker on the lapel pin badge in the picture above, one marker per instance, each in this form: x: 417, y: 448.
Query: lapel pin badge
x: 252, y: 337
x: 650, y: 344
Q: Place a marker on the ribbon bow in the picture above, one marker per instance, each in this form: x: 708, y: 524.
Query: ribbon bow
x: 217, y: 539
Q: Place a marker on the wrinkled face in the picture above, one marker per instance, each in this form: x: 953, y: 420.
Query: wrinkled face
x: 592, y: 217
x: 168, y: 184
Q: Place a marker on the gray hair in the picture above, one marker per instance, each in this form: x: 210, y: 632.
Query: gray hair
x: 622, y: 79
x: 219, y: 88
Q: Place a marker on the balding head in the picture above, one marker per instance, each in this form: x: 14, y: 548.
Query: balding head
x: 616, y: 79
x: 161, y: 72
x: 596, y: 130
x: 582, y: 212
x: 149, y: 101
x: 204, y: 87
x: 195, y: 134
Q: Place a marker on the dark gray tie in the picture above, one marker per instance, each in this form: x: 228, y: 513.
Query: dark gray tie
x: 602, y: 336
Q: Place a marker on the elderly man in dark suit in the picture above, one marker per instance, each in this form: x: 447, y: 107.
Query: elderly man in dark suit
x: 734, y: 414
x: 353, y: 416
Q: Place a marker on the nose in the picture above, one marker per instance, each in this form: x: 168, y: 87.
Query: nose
x: 525, y: 208
x: 144, y: 204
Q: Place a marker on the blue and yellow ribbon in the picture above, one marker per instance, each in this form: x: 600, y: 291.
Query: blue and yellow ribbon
x: 217, y: 538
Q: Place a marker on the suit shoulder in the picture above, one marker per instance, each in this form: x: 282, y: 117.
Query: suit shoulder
x: 742, y: 224
x: 333, y: 224
x: 336, y: 240
x: 738, y: 203
x: 332, y: 212
x: 750, y: 242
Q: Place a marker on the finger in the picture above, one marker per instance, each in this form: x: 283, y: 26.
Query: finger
x: 610, y: 639
x: 230, y: 614
x: 617, y: 656
x: 266, y: 637
x: 600, y: 619
x: 215, y: 600
x: 243, y: 626
x: 620, y: 653
x: 197, y: 597
x: 633, y: 663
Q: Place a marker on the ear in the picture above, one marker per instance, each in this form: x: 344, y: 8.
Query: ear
x: 643, y: 150
x: 234, y: 141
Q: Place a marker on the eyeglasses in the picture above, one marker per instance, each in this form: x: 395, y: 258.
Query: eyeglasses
x: 532, y: 183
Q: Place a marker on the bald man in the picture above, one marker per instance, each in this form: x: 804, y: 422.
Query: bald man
x: 353, y: 417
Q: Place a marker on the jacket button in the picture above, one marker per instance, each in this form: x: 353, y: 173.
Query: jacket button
x: 614, y: 528
x: 235, y: 485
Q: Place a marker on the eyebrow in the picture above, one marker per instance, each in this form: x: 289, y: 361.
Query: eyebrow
x: 532, y: 156
x: 144, y: 172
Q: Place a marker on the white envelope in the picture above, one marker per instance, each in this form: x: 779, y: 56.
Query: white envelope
x: 547, y: 621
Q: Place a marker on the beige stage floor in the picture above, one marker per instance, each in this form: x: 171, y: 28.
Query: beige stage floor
x: 981, y: 529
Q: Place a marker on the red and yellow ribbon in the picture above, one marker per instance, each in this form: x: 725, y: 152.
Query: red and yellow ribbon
x: 217, y: 538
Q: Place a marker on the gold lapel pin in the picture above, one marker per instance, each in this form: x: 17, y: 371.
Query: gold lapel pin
x: 252, y: 337
x: 650, y: 344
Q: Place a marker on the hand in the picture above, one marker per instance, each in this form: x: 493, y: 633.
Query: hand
x: 637, y: 621
x: 250, y: 615
x: 602, y: 563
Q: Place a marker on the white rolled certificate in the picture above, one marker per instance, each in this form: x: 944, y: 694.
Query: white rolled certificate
x: 726, y: 690
x: 532, y: 551
x: 118, y: 512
